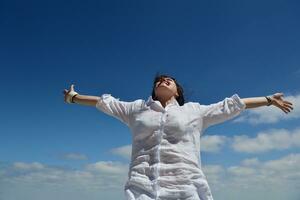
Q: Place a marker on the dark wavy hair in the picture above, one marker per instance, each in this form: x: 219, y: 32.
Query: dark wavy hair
x: 180, y: 98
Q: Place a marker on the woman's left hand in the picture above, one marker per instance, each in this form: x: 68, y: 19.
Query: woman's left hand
x: 279, y: 102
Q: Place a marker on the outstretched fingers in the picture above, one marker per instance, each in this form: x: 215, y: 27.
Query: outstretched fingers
x: 288, y: 106
x: 284, y: 110
x: 285, y: 101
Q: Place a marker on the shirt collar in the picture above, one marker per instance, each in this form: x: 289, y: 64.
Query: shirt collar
x: 150, y: 101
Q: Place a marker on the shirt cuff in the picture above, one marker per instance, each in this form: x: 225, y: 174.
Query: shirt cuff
x: 239, y: 102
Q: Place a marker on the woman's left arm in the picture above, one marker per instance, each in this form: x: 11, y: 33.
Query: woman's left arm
x: 275, y: 100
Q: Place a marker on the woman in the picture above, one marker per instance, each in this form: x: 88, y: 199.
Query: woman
x: 165, y: 160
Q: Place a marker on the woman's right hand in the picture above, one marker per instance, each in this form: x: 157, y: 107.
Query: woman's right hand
x: 68, y: 94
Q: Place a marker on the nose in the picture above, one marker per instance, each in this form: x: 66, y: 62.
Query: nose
x: 162, y: 80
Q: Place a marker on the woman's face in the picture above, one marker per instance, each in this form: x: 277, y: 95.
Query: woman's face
x: 166, y: 87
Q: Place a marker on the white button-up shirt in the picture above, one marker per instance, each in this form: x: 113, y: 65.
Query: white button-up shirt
x: 165, y: 159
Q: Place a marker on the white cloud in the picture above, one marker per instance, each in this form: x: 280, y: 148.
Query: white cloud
x: 213, y: 143
x: 100, y: 180
x: 214, y: 174
x: 285, y: 165
x: 251, y: 179
x: 74, y: 156
x: 255, y: 179
x: 108, y: 167
x: 271, y: 114
x: 241, y: 171
x: 268, y: 140
x: 273, y: 139
x: 123, y: 151
x: 250, y: 162
x: 276, y: 172
x: 21, y: 166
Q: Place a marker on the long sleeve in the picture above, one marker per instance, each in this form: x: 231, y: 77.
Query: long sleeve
x: 114, y: 107
x: 221, y: 111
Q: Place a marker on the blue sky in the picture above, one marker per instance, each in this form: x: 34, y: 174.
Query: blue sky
x: 213, y: 48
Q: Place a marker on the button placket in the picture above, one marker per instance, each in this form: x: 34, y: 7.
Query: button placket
x: 160, y: 137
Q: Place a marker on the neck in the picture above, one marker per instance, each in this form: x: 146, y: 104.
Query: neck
x: 165, y: 100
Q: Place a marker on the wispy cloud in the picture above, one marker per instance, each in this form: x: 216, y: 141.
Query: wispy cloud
x: 105, y: 179
x: 213, y: 143
x: 39, y: 181
x: 123, y: 151
x: 74, y: 156
x: 108, y: 167
x: 271, y: 114
x: 254, y: 179
x: 21, y: 166
x: 273, y: 139
x: 281, y: 171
